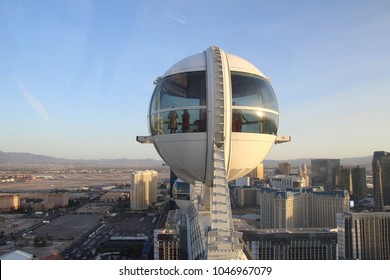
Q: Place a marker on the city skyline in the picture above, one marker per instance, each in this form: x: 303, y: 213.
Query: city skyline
x: 76, y: 78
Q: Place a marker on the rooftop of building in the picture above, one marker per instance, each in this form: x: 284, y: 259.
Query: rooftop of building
x: 242, y: 225
x: 311, y: 190
x: 296, y: 230
x: 17, y: 255
x: 367, y: 214
x: 173, y: 219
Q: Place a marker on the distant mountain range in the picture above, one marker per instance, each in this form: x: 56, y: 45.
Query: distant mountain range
x: 14, y: 159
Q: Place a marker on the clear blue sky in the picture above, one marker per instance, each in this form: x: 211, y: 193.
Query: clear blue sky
x: 76, y: 77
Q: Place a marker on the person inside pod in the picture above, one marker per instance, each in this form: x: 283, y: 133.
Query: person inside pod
x: 172, y: 121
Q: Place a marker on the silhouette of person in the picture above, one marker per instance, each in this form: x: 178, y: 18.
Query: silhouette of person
x: 238, y: 118
x: 172, y: 121
x: 202, y: 121
x: 185, y: 121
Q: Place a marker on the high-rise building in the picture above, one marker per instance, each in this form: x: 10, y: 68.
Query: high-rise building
x: 305, y: 208
x: 364, y: 236
x: 359, y: 183
x: 143, y: 189
x: 243, y: 181
x: 381, y: 179
x: 256, y: 174
x: 260, y: 171
x: 167, y: 239
x: 181, y: 237
x: 281, y: 182
x: 293, y: 244
x: 153, y: 187
x: 323, y: 172
x: 245, y: 196
x: 378, y: 187
x: 276, y: 209
x: 304, y: 175
x: 344, y: 179
x: 352, y: 180
x: 284, y: 168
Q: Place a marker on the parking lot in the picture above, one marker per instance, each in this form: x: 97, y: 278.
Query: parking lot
x: 77, y: 236
x: 68, y: 226
x: 124, y: 225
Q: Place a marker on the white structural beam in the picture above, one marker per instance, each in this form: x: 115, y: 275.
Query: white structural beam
x: 223, y: 242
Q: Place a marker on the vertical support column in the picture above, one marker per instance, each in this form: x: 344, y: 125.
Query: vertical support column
x: 223, y: 242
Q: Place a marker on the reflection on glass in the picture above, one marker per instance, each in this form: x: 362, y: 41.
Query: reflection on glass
x: 238, y: 118
x: 172, y: 121
x: 179, y: 104
x: 253, y: 91
x: 185, y: 121
x: 180, y: 90
x: 181, y: 191
x: 178, y: 121
x: 254, y: 121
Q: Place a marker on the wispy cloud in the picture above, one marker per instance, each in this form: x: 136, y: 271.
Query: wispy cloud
x: 33, y: 101
x: 179, y: 18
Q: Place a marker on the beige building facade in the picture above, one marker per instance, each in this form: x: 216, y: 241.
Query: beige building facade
x: 364, y: 235
x: 9, y: 202
x: 143, y: 189
x: 301, y: 209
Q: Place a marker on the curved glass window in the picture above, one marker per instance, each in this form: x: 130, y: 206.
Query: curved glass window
x: 178, y: 121
x: 254, y: 121
x: 254, y: 104
x: 253, y: 91
x: 180, y: 90
x: 181, y: 191
x: 179, y: 104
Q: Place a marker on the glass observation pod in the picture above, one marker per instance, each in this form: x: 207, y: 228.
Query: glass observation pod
x: 186, y: 118
x: 181, y: 192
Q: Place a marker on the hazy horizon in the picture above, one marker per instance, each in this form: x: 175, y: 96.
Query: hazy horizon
x: 160, y: 159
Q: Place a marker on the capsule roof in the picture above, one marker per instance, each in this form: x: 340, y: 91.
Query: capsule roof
x: 197, y: 62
